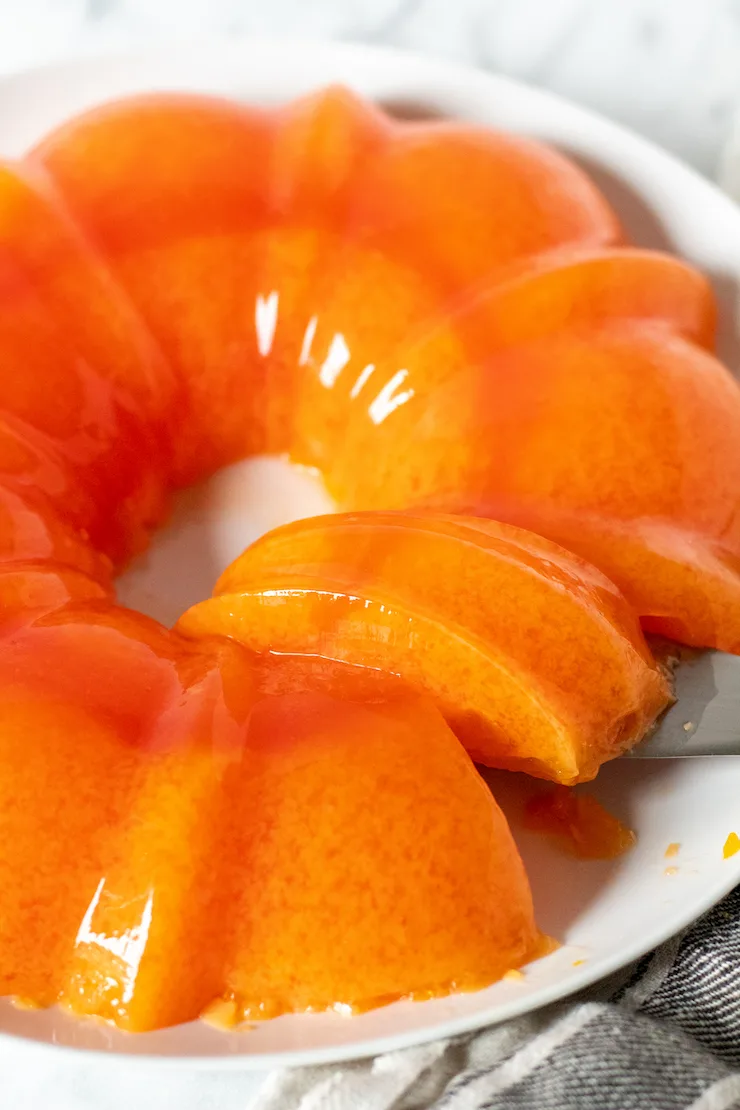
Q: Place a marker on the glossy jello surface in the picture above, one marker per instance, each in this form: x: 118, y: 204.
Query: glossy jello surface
x: 213, y: 836
x: 534, y: 657
x: 270, y: 809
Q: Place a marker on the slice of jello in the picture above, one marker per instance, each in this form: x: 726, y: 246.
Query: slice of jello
x: 534, y: 657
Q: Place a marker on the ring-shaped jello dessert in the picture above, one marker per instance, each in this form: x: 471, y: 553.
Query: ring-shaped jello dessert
x: 536, y: 458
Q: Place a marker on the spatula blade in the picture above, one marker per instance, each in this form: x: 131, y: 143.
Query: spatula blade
x: 706, y: 717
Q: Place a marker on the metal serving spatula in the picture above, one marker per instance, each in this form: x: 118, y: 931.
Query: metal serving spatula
x: 706, y: 717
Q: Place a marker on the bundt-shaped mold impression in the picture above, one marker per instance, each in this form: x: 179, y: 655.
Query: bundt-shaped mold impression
x: 431, y: 314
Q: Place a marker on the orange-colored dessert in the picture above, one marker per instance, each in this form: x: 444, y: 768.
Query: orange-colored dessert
x: 210, y: 836
x: 84, y: 393
x: 533, y: 656
x: 440, y: 319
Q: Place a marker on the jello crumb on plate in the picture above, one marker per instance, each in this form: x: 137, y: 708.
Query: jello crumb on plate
x: 578, y: 823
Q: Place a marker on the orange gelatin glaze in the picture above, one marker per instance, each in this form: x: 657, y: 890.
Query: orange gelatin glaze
x: 190, y: 822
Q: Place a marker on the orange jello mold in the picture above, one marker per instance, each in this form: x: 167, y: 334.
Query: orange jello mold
x: 445, y: 322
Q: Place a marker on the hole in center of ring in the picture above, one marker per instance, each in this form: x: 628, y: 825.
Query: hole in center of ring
x: 210, y: 524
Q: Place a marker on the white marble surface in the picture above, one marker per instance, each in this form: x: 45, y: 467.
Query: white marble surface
x: 667, y: 68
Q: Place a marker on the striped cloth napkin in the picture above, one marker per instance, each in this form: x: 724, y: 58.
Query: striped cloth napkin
x: 665, y: 1037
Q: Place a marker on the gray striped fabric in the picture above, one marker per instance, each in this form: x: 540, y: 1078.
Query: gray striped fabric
x: 665, y: 1038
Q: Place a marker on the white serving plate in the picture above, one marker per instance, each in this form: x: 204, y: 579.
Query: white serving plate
x: 607, y: 914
